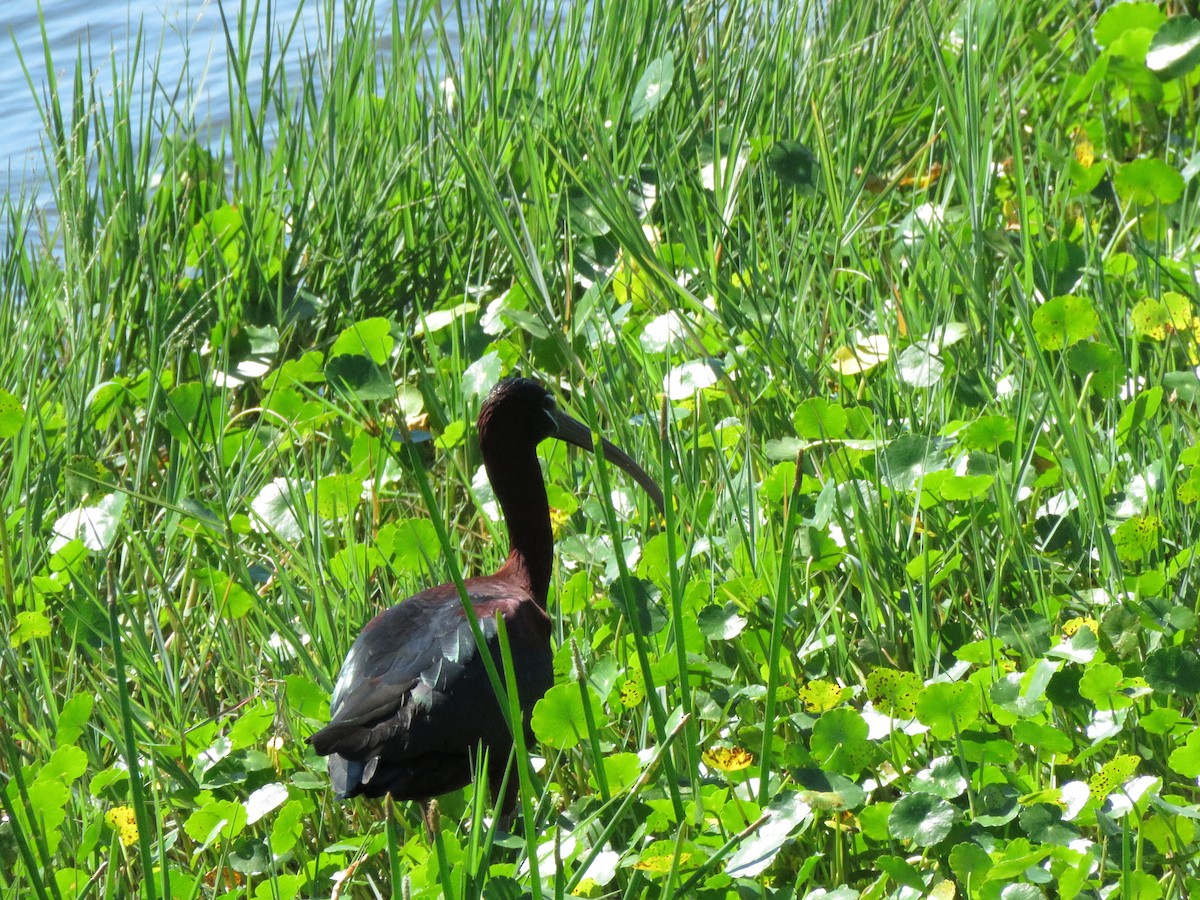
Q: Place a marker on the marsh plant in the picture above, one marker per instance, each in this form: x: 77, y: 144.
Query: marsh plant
x: 897, y: 301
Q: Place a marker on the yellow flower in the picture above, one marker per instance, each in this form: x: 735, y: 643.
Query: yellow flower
x: 122, y: 820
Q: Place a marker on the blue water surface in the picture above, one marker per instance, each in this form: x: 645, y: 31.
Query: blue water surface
x: 185, y: 40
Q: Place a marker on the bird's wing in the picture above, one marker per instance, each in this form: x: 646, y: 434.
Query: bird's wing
x: 407, y: 660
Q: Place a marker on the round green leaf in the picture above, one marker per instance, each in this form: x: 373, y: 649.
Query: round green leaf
x: 12, y: 415
x: 29, y: 624
x: 559, y: 719
x: 817, y: 419
x: 925, y: 819
x: 370, y: 337
x: 1174, y: 670
x: 948, y: 708
x: 66, y: 764
x: 786, y: 812
x: 793, y: 164
x: 996, y: 805
x: 1021, y: 892
x: 1148, y: 181
x: 1064, y: 321
x: 250, y: 857
x: 1099, y: 683
x: 1124, y: 17
x: 721, y: 623
x: 943, y: 777
x: 902, y: 872
x: 839, y: 741
x: 1186, y: 759
x: 192, y: 413
x: 652, y: 88
x: 335, y: 496
x: 1175, y: 50
x: 1043, y: 822
x: 969, y: 862
x: 988, y: 433
x: 359, y: 376
x: 73, y: 717
x: 216, y: 820
x: 909, y: 458
x: 1102, y: 363
x: 287, y: 828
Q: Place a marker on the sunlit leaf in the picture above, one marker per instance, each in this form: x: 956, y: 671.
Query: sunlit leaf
x: 1136, y: 537
x: 1064, y: 321
x: 28, y: 625
x: 653, y: 87
x: 869, y: 352
x: 689, y: 378
x: 820, y: 696
x: 922, y: 818
x: 910, y: 457
x: 217, y: 820
x: 371, y: 338
x: 1148, y: 181
x: 1186, y: 759
x: 631, y: 693
x: 727, y: 759
x: 1174, y: 670
x: 95, y: 525
x: 948, y: 708
x: 1113, y: 774
x: 123, y: 820
x: 786, y: 812
x: 275, y: 509
x: 12, y: 415
x: 661, y: 857
x: 559, y: 719
x: 919, y: 368
x: 1121, y: 18
x: 334, y: 496
x: 894, y: 692
x: 1175, y: 50
x: 818, y: 419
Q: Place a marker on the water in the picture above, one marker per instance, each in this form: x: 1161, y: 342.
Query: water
x: 186, y: 36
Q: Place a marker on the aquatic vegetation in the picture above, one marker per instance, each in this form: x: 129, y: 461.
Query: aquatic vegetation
x: 897, y: 302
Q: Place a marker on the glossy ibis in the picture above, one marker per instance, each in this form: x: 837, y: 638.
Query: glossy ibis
x: 413, y: 704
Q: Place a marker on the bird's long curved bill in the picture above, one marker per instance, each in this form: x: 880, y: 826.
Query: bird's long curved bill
x: 575, y: 432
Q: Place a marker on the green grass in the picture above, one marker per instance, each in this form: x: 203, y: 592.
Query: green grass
x: 897, y: 302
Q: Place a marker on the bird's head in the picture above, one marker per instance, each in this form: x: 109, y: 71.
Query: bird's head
x: 517, y: 411
x: 520, y: 413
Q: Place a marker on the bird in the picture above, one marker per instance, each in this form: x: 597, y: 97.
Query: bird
x: 413, y: 707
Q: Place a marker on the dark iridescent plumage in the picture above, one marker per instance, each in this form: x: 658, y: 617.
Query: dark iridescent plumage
x: 413, y: 704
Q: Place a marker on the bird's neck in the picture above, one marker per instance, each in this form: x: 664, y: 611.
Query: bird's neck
x: 517, y: 483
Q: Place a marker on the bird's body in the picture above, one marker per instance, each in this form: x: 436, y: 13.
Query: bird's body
x: 413, y: 706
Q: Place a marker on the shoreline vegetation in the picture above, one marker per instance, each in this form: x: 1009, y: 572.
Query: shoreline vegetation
x: 897, y: 301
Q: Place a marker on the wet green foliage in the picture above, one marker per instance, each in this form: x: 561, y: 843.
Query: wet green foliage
x: 897, y: 301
